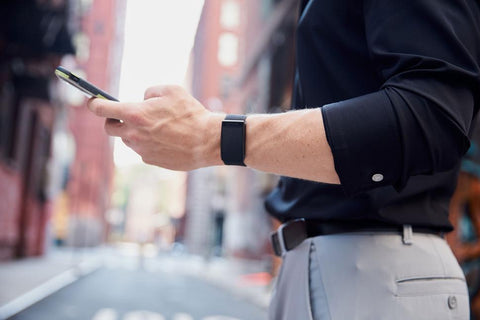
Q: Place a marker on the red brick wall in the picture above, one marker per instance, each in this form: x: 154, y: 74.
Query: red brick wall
x: 10, y: 184
x: 90, y: 182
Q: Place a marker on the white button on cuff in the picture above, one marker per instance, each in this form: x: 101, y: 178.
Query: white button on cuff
x: 377, y: 177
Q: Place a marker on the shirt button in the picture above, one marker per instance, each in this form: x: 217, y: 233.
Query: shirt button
x: 452, y: 302
x: 377, y: 177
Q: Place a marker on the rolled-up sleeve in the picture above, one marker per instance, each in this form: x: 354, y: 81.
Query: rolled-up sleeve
x: 427, y: 53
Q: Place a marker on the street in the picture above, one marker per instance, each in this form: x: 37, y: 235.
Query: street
x: 129, y: 288
x: 111, y: 294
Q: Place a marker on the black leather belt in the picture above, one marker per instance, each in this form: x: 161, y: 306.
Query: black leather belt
x: 290, y: 234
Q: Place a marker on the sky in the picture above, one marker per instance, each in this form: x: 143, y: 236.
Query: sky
x: 158, y: 40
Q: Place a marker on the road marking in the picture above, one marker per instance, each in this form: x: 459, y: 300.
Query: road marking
x: 182, y: 316
x: 111, y: 314
x: 105, y: 314
x: 143, y: 315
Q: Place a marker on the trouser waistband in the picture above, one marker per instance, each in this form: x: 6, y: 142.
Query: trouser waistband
x: 290, y: 234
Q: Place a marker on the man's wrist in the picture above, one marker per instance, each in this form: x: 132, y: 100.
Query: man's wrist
x: 210, y: 149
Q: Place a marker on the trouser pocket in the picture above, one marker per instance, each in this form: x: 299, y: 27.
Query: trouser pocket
x: 433, y: 298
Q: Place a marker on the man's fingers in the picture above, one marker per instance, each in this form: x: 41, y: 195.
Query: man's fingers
x: 114, y: 128
x: 153, y: 92
x: 160, y: 91
x: 109, y: 109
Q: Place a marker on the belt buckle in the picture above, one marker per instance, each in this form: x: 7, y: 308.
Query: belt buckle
x: 278, y: 240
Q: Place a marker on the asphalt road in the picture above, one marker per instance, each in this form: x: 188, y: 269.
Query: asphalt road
x: 122, y: 294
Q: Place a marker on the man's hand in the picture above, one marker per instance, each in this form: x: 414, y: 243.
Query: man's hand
x: 169, y: 128
x: 172, y: 130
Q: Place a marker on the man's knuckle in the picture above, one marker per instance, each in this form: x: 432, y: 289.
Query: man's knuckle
x: 126, y: 141
x: 96, y: 108
x: 107, y: 127
x: 133, y: 138
x: 177, y: 88
x: 134, y: 117
x: 150, y: 92
x: 170, y: 90
x: 128, y: 136
x: 147, y: 160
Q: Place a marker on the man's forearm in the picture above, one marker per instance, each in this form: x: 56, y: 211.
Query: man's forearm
x: 291, y: 144
x: 171, y: 129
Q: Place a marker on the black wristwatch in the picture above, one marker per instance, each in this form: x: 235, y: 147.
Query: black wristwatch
x: 232, y: 144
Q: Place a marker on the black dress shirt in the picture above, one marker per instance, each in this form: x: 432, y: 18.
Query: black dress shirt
x: 398, y: 82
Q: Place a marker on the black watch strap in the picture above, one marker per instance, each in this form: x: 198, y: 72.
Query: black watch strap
x: 232, y: 144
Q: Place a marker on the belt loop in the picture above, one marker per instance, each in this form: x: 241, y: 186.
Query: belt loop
x: 281, y: 240
x: 407, y: 235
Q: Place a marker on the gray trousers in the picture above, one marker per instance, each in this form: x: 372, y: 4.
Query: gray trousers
x: 370, y: 276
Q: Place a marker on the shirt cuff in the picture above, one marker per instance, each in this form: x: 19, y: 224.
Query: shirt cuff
x: 363, y: 135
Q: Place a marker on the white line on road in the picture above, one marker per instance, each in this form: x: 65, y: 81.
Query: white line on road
x: 105, y: 314
x: 182, y: 316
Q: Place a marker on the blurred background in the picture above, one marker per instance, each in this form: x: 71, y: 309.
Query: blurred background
x: 87, y: 231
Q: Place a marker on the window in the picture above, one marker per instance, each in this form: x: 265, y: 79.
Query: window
x: 82, y: 45
x: 230, y: 14
x: 228, y: 49
x: 6, y: 114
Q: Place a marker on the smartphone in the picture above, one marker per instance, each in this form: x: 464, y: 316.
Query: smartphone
x: 82, y: 85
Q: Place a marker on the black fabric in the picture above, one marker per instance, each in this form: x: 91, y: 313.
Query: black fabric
x: 32, y: 29
x: 399, y: 85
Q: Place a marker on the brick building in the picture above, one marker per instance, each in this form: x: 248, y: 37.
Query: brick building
x: 88, y: 190
x: 242, y: 63
x: 34, y: 35
x: 37, y: 125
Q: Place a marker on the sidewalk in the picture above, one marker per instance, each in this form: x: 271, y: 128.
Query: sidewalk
x: 27, y: 281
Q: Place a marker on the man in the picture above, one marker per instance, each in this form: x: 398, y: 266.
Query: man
x: 391, y: 88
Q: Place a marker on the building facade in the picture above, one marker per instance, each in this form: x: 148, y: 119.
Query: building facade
x: 89, y: 187
x: 43, y: 142
x: 34, y: 36
x: 242, y: 63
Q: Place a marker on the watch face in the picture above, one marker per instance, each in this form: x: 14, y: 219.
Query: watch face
x: 233, y: 123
